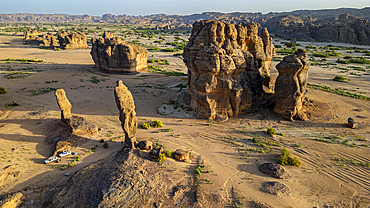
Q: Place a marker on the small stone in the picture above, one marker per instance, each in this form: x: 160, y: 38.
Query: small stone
x: 274, y: 170
x: 351, y: 123
x: 154, y: 153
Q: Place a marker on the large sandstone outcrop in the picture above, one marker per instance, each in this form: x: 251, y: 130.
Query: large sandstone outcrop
x: 127, y: 114
x: 290, y: 86
x: 31, y: 33
x: 229, y: 67
x: 47, y: 40
x: 72, y: 40
x: 116, y: 55
x: 14, y: 200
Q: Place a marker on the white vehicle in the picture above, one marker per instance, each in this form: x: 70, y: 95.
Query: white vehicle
x: 51, y: 159
x: 65, y: 153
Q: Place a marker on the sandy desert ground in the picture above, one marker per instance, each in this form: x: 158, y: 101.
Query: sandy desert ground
x: 324, y: 180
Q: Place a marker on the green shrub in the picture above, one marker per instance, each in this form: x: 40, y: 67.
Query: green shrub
x: 2, y: 90
x: 105, y: 145
x: 168, y: 153
x: 287, y: 158
x: 145, y: 126
x: 160, y: 158
x: 70, y: 164
x: 271, y: 131
x: 102, y: 141
x: 156, y: 124
x: 340, y: 79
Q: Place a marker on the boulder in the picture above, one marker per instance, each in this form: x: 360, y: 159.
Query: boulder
x: 351, y: 123
x: 154, y: 153
x: 181, y: 155
x: 13, y: 200
x: 64, y: 104
x: 72, y: 40
x: 290, y: 86
x: 144, y: 145
x: 275, y: 188
x: 229, y: 67
x: 127, y: 115
x: 112, y: 54
x: 274, y: 170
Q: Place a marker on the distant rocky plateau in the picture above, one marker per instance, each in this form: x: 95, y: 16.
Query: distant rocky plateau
x: 346, y: 25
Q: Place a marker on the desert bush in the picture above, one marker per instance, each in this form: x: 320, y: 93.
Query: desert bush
x: 271, y: 131
x: 156, y: 124
x: 287, y: 158
x: 160, y: 158
x: 168, y: 153
x: 2, y: 90
x: 105, y: 145
x: 340, y: 79
x: 102, y: 141
x: 145, y: 126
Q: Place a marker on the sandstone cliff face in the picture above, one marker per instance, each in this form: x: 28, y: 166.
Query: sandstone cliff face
x: 115, y: 55
x: 229, y: 67
x: 290, y: 86
x: 127, y: 113
x: 72, y: 40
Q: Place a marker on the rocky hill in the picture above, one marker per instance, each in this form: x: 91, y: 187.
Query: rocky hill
x: 338, y: 25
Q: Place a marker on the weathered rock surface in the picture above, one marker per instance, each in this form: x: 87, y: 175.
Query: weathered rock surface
x: 154, y: 153
x: 274, y: 170
x: 14, y: 200
x: 229, y: 67
x: 72, y: 40
x: 8, y: 173
x: 275, y: 188
x: 64, y: 104
x: 127, y: 114
x: 290, y: 85
x: 115, y: 55
x: 126, y: 180
x: 181, y: 155
x: 31, y: 33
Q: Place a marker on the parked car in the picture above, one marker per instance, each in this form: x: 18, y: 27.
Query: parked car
x: 51, y: 159
x: 65, y: 153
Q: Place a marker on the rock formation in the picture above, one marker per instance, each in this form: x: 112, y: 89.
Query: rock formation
x: 116, y: 55
x: 274, y: 170
x: 64, y: 105
x: 77, y: 127
x: 127, y: 114
x: 351, y: 123
x: 229, y: 67
x: 8, y: 173
x: 31, y: 33
x: 47, y: 40
x: 290, y: 86
x: 72, y: 40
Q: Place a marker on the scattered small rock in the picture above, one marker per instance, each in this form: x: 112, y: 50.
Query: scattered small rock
x: 274, y: 170
x: 154, y: 153
x: 144, y: 145
x: 361, y: 116
x: 351, y: 123
x: 181, y: 155
x: 275, y: 188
